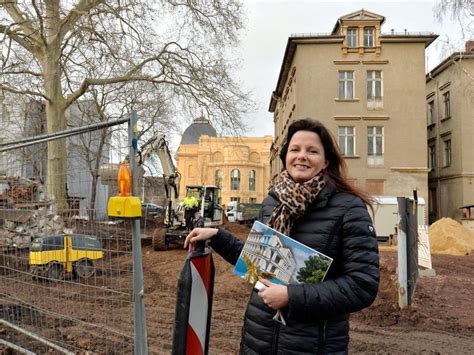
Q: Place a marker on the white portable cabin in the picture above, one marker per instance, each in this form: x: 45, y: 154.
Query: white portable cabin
x: 386, y: 216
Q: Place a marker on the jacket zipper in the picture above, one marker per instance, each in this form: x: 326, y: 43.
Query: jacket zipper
x: 276, y: 330
x: 322, y: 337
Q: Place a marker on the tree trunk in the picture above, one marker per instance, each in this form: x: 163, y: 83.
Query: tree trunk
x: 56, y: 121
x: 57, y: 158
x: 55, y: 105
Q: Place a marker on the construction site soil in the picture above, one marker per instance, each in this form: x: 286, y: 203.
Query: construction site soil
x: 440, y: 319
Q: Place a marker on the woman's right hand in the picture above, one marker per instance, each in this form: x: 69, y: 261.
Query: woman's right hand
x: 198, y: 234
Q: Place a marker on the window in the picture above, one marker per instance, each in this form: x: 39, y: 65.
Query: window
x: 235, y: 180
x: 374, y: 85
x: 432, y: 156
x: 447, y: 105
x: 346, y: 84
x: 369, y: 37
x: 430, y: 113
x: 53, y: 243
x: 447, y: 152
x: 252, y: 180
x: 235, y: 199
x: 352, y: 37
x: 346, y: 137
x: 252, y: 200
x: 375, y: 145
x: 218, y: 177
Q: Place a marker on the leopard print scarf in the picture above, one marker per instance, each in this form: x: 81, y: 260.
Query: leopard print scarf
x: 294, y: 198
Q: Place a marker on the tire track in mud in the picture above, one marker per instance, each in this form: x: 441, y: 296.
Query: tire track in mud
x: 374, y: 340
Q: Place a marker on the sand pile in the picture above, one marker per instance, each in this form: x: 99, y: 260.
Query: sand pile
x: 449, y: 237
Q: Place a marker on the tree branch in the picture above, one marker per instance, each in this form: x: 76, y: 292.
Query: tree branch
x: 82, y: 7
x: 21, y: 20
x: 95, y: 82
x: 19, y: 38
x: 27, y: 72
x: 40, y: 20
x: 23, y: 92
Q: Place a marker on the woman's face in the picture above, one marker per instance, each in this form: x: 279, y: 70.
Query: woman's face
x: 305, y: 157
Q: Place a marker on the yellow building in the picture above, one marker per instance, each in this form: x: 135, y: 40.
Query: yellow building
x: 368, y: 88
x: 450, y: 125
x: 238, y: 165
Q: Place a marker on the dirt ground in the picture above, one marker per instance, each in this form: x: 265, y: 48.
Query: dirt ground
x: 440, y: 319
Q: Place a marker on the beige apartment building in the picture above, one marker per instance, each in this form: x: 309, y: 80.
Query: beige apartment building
x: 238, y: 165
x: 368, y: 88
x: 450, y: 120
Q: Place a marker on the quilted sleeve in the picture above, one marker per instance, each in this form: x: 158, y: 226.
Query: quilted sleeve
x: 227, y: 246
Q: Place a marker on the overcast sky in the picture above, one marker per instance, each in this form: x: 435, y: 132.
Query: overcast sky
x: 271, y: 22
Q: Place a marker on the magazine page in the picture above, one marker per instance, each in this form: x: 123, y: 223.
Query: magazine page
x: 272, y: 255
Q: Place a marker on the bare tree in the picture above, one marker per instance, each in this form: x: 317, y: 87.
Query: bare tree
x: 59, y: 50
x: 460, y: 11
x: 92, y: 149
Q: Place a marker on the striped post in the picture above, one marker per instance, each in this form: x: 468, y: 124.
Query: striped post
x: 194, y: 304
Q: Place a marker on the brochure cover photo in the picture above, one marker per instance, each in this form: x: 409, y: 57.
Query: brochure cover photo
x: 279, y: 258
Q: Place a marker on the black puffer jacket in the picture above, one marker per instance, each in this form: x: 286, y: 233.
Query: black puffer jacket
x: 338, y: 225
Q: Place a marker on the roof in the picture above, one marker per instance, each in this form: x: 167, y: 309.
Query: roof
x: 360, y: 15
x: 453, y: 58
x: 199, y: 127
x: 336, y: 37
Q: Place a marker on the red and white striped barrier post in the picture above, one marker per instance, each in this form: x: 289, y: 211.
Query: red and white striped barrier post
x: 194, y: 303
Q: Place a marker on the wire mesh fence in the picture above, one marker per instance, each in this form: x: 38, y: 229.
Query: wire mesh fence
x: 66, y: 270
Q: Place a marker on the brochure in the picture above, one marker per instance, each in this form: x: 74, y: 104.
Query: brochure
x: 272, y: 255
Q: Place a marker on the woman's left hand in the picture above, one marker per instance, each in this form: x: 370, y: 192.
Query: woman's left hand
x: 274, y: 296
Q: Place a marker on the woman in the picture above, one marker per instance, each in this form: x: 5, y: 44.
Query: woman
x: 314, y: 204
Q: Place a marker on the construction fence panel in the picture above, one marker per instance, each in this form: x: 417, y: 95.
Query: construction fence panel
x: 66, y: 269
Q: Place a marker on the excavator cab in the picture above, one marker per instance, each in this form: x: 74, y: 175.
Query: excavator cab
x: 210, y: 213
x: 209, y: 203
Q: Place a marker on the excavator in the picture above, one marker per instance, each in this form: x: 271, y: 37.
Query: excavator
x: 175, y: 231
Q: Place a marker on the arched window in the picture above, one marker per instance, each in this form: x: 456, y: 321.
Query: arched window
x: 235, y: 180
x: 252, y: 180
x: 218, y: 177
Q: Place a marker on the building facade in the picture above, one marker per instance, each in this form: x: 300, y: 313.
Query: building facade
x: 238, y: 165
x: 267, y: 252
x: 368, y: 88
x: 450, y: 122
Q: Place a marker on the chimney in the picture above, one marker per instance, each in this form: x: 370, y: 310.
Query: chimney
x: 470, y: 46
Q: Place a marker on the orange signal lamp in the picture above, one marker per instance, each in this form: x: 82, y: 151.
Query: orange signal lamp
x: 124, y: 180
x: 124, y: 205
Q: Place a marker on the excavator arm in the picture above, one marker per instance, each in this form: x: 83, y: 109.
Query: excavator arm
x: 171, y: 176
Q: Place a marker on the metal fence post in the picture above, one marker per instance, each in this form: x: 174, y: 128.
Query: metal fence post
x: 402, y: 253
x: 407, y: 249
x: 412, y: 247
x: 140, y: 339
